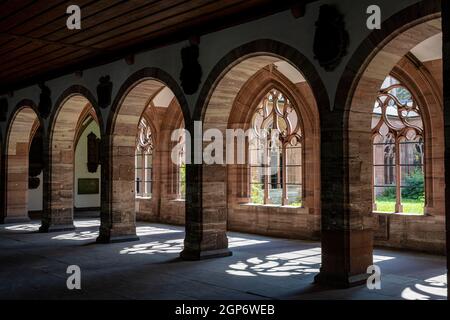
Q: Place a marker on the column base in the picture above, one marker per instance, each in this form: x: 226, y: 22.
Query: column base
x: 346, y: 254
x: 192, y: 255
x: 8, y: 220
x: 108, y: 235
x: 115, y: 239
x: 341, y: 281
x: 56, y: 228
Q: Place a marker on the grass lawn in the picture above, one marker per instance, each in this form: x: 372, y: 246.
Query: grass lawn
x: 409, y: 206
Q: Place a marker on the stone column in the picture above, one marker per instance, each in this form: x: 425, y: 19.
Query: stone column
x: 446, y: 78
x: 118, y: 216
x: 58, y: 186
x: 2, y: 183
x: 17, y: 184
x: 346, y: 245
x: 206, y: 209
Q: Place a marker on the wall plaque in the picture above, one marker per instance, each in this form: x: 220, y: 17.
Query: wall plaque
x: 88, y: 186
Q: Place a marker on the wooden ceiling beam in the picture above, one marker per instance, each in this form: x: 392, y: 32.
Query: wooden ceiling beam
x: 12, y: 7
x: 125, y: 22
x: 37, y: 46
x: 37, y: 21
x: 45, y: 41
x: 30, y: 13
x: 144, y: 28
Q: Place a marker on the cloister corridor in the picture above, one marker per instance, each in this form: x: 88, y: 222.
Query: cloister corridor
x: 273, y: 155
x: 34, y: 267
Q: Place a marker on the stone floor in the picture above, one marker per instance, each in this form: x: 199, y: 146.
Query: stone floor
x: 33, y: 266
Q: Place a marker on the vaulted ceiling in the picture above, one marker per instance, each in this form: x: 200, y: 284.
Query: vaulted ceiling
x: 35, y: 43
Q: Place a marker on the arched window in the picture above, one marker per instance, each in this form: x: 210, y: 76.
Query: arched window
x: 275, y: 152
x: 144, y: 160
x: 398, y: 150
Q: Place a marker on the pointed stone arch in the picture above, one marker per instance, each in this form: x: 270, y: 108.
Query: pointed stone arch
x: 22, y: 126
x: 347, y: 236
x: 207, y: 214
x: 297, y: 222
x: 118, y: 219
x: 59, y: 180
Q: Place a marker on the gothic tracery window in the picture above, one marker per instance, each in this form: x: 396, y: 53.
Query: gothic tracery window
x: 275, y: 152
x: 144, y: 160
x: 398, y: 150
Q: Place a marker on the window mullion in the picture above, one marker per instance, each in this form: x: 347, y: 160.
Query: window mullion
x: 144, y: 169
x: 398, y: 201
x: 267, y: 171
x: 285, y: 201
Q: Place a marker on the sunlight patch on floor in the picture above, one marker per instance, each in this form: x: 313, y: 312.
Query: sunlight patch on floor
x: 434, y: 288
x: 234, y: 242
x: 78, y: 236
x: 170, y: 246
x: 24, y: 227
x: 380, y: 258
x: 148, y: 231
x: 87, y: 223
x: 176, y: 245
x: 301, y: 262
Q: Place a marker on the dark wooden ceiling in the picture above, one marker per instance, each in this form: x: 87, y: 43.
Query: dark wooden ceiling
x: 36, y: 45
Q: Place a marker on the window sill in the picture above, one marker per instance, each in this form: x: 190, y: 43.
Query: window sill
x: 271, y: 206
x: 178, y: 200
x: 144, y: 197
x: 402, y: 214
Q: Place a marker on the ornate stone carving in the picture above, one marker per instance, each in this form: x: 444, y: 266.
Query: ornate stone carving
x: 45, y: 100
x: 35, y: 158
x: 104, y: 92
x: 33, y: 182
x: 275, y: 154
x: 3, y: 109
x: 145, y: 137
x: 331, y: 38
x: 276, y: 113
x: 93, y: 152
x: 191, y: 73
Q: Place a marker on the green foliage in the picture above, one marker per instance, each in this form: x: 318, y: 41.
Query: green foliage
x: 413, y: 189
x: 413, y: 195
x: 409, y: 206
x: 183, y: 179
x: 414, y: 186
x: 257, y: 194
x: 389, y: 193
x: 296, y: 203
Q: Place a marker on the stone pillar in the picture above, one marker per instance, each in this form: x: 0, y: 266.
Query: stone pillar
x: 17, y: 184
x: 446, y: 80
x: 206, y: 210
x: 346, y: 245
x: 2, y: 183
x: 118, y: 212
x: 58, y: 189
